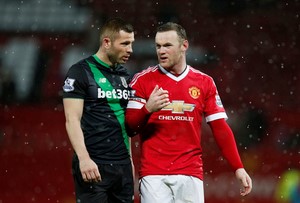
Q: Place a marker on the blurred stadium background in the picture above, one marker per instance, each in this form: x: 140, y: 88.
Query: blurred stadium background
x: 250, y: 47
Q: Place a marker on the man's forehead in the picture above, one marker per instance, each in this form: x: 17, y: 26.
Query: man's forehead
x: 125, y: 35
x: 167, y: 33
x: 166, y: 36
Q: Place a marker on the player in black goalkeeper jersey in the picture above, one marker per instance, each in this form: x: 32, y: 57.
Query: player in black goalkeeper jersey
x: 95, y: 95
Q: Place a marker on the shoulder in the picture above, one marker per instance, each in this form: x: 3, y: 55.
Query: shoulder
x: 78, y: 68
x: 199, y: 74
x: 144, y: 74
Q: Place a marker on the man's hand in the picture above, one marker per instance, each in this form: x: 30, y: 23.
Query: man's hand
x: 158, y: 99
x: 245, y: 180
x: 89, y: 170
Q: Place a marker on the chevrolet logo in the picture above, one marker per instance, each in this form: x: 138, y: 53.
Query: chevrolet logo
x: 179, y: 107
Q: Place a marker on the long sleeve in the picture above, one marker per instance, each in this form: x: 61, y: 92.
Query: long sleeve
x: 226, y: 142
x: 136, y: 119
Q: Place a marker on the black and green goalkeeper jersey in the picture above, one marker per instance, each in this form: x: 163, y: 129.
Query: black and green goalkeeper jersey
x: 105, y: 93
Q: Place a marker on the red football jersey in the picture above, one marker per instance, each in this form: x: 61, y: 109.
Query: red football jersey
x: 171, y: 139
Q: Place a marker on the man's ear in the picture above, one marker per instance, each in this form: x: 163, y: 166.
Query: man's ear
x: 106, y: 42
x: 185, y: 45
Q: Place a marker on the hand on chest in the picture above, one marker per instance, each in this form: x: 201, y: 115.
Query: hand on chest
x: 183, y: 97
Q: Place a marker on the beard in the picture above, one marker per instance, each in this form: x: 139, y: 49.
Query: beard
x: 113, y: 59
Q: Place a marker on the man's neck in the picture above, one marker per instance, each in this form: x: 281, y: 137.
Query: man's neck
x: 177, y: 69
x: 103, y: 57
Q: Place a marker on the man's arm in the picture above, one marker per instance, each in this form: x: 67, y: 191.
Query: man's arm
x: 226, y: 142
x: 136, y: 118
x: 73, y: 111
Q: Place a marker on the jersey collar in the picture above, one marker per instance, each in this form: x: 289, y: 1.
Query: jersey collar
x: 173, y: 77
x: 101, y: 62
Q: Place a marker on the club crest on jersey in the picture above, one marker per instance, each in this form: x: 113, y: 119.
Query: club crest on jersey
x: 194, y: 92
x: 69, y: 85
x: 124, y: 83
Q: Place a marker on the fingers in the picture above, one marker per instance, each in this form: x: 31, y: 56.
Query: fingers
x: 156, y: 88
x: 247, y: 184
x: 96, y: 176
x: 159, y: 98
x: 245, y: 180
x: 163, y: 98
x: 91, y: 176
x: 158, y: 91
x: 245, y: 191
x: 89, y: 171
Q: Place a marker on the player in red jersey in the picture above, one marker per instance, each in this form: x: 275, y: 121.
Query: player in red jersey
x: 166, y: 109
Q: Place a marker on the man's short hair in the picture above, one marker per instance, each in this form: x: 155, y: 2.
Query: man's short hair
x: 169, y: 26
x: 113, y: 26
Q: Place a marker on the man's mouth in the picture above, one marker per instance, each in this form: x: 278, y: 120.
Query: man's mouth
x: 163, y: 59
x: 125, y: 58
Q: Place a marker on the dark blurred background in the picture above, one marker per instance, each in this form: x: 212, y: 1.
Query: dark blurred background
x: 250, y: 47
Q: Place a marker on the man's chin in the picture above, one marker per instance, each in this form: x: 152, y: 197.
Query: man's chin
x: 123, y: 61
x: 164, y: 65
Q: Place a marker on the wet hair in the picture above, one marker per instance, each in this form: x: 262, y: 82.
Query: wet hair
x: 170, y: 26
x: 113, y: 26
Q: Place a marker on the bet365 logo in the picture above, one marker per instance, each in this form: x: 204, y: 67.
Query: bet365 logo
x: 113, y: 94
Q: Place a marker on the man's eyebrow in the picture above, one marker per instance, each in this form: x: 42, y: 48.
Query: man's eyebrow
x: 126, y: 42
x: 164, y: 44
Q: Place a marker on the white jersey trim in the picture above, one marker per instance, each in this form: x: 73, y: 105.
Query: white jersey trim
x: 170, y: 75
x: 135, y: 105
x: 216, y: 116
